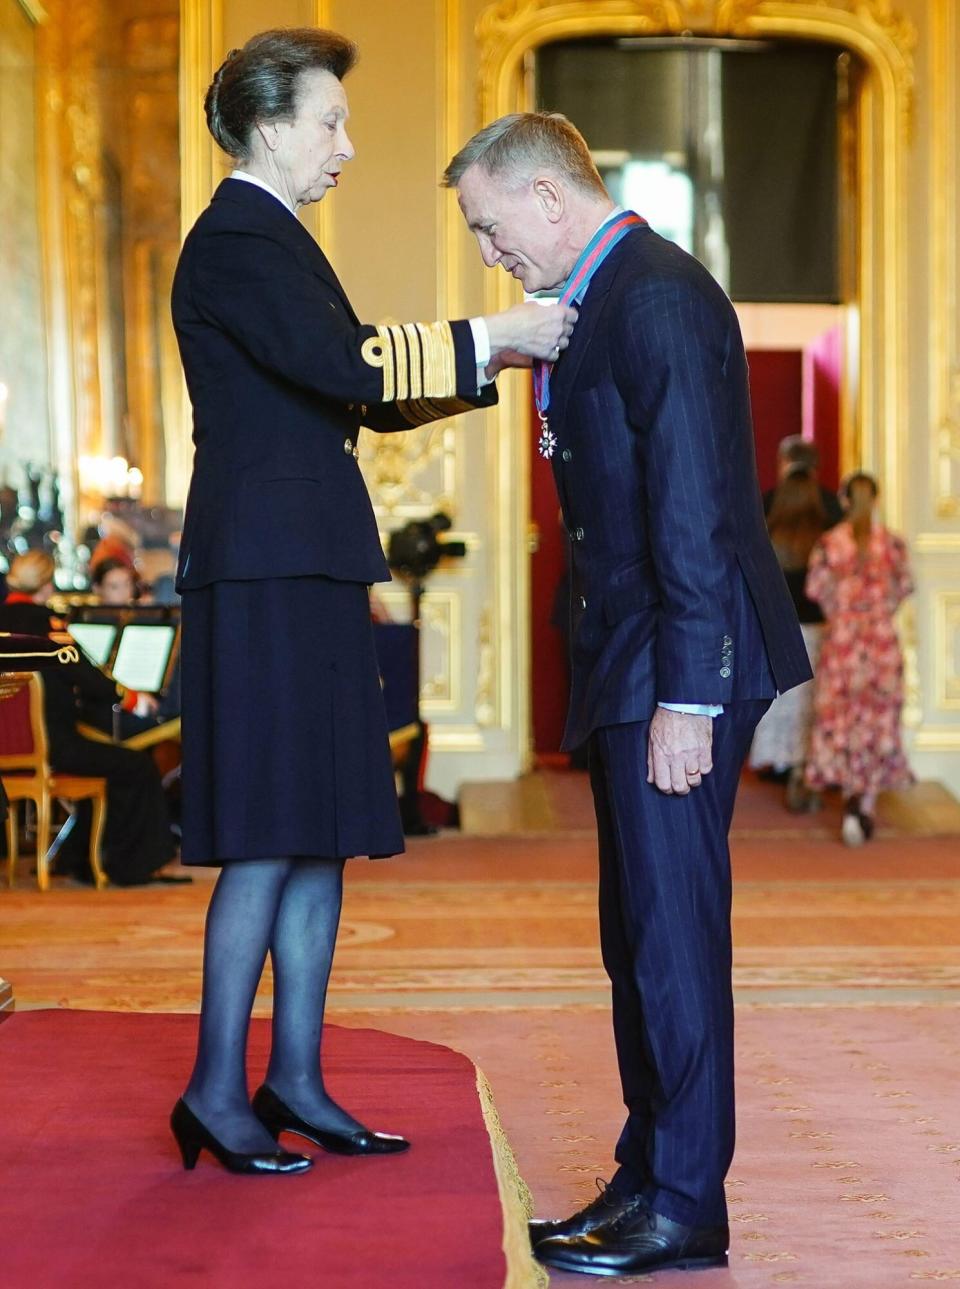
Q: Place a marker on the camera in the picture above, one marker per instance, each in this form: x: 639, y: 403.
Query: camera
x: 418, y: 547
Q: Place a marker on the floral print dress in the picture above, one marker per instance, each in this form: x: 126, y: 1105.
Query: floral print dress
x: 859, y: 683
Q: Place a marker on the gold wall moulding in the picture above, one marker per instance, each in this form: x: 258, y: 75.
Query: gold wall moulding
x: 946, y: 645
x: 947, y: 431
x: 936, y: 544
x: 457, y: 738
x: 912, y: 714
x: 508, y: 30
x: 944, y: 361
x: 443, y: 660
x: 201, y: 49
x: 441, y: 643
x: 410, y: 475
x: 937, y: 738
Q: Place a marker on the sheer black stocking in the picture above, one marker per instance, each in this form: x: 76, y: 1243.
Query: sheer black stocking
x: 240, y: 923
x: 302, y: 949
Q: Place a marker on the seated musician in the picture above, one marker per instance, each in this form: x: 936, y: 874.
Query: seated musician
x: 114, y: 582
x: 137, y: 841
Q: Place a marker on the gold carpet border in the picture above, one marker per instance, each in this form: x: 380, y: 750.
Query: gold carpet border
x: 515, y: 1198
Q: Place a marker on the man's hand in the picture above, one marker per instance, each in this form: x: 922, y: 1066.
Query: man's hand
x: 679, y: 752
x: 532, y: 330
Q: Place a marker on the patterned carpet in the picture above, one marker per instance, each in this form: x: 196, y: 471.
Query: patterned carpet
x: 847, y: 978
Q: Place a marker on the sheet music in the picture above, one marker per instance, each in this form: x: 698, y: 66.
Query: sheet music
x: 95, y: 639
x: 143, y: 655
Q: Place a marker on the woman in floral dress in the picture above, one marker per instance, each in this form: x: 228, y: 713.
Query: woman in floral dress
x: 859, y: 573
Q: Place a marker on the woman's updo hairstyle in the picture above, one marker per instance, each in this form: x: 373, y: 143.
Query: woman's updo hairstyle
x: 259, y: 82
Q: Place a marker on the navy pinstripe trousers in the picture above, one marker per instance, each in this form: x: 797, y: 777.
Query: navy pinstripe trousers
x: 665, y: 936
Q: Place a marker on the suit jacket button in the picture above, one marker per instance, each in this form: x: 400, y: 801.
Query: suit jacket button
x: 363, y: 409
x: 566, y: 454
x: 727, y: 642
x: 583, y: 601
x: 351, y: 406
x: 725, y: 673
x: 348, y: 446
x: 578, y: 534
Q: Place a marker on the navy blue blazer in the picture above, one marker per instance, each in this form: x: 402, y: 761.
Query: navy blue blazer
x: 281, y: 375
x: 676, y: 595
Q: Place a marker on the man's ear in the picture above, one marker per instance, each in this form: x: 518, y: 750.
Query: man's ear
x: 550, y: 196
x: 270, y: 133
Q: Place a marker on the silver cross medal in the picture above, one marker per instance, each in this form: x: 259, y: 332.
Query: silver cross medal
x: 548, y: 440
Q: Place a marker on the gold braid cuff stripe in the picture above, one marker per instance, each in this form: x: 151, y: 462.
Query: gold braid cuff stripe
x: 418, y: 361
x: 423, y: 410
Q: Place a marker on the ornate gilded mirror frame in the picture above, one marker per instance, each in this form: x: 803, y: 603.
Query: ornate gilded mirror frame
x: 875, y: 400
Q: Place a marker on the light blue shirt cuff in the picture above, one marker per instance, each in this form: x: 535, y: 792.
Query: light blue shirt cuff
x: 481, y: 349
x: 695, y: 709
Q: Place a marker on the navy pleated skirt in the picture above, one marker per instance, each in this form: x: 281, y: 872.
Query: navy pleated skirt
x: 285, y: 749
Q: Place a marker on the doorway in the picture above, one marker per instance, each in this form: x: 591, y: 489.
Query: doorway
x: 733, y: 149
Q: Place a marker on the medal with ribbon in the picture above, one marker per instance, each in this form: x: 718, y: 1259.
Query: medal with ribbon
x: 606, y: 237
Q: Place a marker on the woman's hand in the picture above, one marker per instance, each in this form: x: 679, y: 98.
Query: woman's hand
x: 506, y: 358
x: 532, y: 330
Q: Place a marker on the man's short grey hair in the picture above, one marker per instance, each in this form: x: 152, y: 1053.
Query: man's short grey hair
x: 516, y: 146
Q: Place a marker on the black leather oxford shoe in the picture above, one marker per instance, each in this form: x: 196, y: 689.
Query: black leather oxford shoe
x: 637, y: 1240
x: 277, y: 1117
x: 601, y: 1210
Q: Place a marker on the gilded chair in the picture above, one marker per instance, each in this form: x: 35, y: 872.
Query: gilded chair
x: 27, y: 776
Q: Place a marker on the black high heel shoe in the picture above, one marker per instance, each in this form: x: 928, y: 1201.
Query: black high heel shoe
x: 277, y: 1117
x: 192, y: 1137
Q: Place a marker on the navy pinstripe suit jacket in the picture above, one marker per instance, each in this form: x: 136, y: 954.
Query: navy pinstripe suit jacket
x: 676, y: 595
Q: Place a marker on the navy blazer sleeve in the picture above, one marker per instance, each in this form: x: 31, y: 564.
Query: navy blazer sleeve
x: 387, y: 418
x: 669, y: 363
x: 295, y: 324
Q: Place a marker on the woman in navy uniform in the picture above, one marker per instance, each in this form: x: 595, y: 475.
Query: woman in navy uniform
x: 286, y: 765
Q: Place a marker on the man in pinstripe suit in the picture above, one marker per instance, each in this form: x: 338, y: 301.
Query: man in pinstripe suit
x: 682, y: 634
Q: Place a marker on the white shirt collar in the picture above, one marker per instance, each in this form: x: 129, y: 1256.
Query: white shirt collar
x: 260, y: 183
x: 613, y: 214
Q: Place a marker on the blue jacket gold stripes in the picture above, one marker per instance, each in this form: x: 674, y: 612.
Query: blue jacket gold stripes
x: 281, y: 375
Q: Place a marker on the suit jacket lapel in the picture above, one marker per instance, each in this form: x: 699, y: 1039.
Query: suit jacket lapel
x: 563, y: 379
x: 564, y: 376
x: 307, y: 245
x: 286, y: 227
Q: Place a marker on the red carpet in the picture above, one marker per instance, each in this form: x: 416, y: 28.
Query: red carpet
x: 93, y: 1194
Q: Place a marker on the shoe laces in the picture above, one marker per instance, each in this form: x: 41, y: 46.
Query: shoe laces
x: 633, y: 1207
x: 605, y: 1195
x: 610, y: 1197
